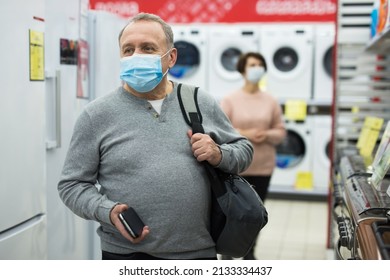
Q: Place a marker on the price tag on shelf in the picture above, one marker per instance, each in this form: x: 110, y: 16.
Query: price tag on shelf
x: 369, y: 135
x: 304, y: 180
x: 295, y: 110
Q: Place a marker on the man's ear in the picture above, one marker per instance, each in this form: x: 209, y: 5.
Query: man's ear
x: 172, y: 57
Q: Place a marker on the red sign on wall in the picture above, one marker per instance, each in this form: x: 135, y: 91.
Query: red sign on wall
x: 206, y: 11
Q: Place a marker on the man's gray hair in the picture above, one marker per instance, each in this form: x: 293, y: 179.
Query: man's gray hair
x: 151, y: 17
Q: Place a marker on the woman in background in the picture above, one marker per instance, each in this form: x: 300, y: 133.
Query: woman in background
x: 256, y: 115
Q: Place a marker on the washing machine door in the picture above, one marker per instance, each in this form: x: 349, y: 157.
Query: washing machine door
x: 327, y: 149
x: 226, y: 63
x: 285, y: 59
x: 291, y: 151
x: 325, y: 153
x: 328, y: 62
x: 188, y: 60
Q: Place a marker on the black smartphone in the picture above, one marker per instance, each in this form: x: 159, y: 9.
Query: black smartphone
x: 132, y: 222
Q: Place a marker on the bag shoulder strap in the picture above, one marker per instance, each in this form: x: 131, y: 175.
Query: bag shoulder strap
x: 188, y: 100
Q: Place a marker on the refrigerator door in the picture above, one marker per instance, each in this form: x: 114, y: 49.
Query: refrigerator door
x: 103, y: 33
x: 22, y: 126
x: 26, y: 241
x: 69, y: 236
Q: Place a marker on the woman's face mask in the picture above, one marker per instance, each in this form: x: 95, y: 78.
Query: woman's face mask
x: 254, y: 74
x: 142, y: 72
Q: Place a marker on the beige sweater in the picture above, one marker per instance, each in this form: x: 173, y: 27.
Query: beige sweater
x: 262, y: 111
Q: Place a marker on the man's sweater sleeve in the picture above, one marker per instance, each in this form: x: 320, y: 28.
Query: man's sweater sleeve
x: 77, y: 186
x: 237, y: 151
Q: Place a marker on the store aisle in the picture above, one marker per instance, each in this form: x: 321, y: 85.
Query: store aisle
x: 297, y: 230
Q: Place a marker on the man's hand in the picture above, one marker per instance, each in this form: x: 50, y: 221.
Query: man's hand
x: 204, y: 148
x: 114, y: 216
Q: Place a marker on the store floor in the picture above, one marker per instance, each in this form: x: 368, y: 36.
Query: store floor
x: 297, y: 230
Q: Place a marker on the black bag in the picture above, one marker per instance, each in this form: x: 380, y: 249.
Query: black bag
x: 238, y: 213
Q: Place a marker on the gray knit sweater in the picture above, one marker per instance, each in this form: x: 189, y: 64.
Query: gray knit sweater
x: 144, y: 160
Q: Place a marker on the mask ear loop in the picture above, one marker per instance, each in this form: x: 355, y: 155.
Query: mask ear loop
x: 166, y: 72
x: 166, y: 53
x: 162, y: 57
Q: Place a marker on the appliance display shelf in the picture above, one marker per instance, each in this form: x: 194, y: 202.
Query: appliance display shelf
x: 380, y: 43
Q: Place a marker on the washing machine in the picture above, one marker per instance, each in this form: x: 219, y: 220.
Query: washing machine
x: 191, y: 65
x: 322, y: 135
x: 226, y: 44
x: 324, y: 40
x: 293, y: 158
x: 288, y: 51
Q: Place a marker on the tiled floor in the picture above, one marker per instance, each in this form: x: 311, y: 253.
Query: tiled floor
x: 297, y: 230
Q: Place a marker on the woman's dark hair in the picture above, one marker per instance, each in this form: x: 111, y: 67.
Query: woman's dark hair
x: 241, y: 63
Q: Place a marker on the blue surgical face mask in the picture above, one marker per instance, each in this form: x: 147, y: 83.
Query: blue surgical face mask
x: 142, y: 72
x: 255, y: 73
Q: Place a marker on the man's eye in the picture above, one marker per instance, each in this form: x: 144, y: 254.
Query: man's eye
x: 127, y: 51
x: 148, y: 49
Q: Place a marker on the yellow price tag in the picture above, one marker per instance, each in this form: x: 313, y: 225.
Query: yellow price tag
x: 366, y: 150
x: 374, y: 123
x: 304, y: 180
x: 369, y: 135
x: 295, y: 110
x: 364, y: 134
x: 37, y: 69
x: 368, y: 160
x: 355, y: 109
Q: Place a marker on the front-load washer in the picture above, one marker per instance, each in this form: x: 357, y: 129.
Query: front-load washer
x: 288, y: 51
x: 226, y: 44
x: 293, y: 157
x: 324, y: 41
x: 322, y: 135
x: 191, y: 65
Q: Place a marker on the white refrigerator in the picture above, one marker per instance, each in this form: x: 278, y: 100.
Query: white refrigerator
x: 68, y: 236
x: 103, y: 35
x: 23, y: 208
x: 40, y: 86
x: 104, y: 66
x: 56, y: 57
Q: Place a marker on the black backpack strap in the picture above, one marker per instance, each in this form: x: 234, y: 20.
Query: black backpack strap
x: 188, y: 100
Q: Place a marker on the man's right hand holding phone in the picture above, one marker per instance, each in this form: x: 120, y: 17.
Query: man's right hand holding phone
x: 114, y: 216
